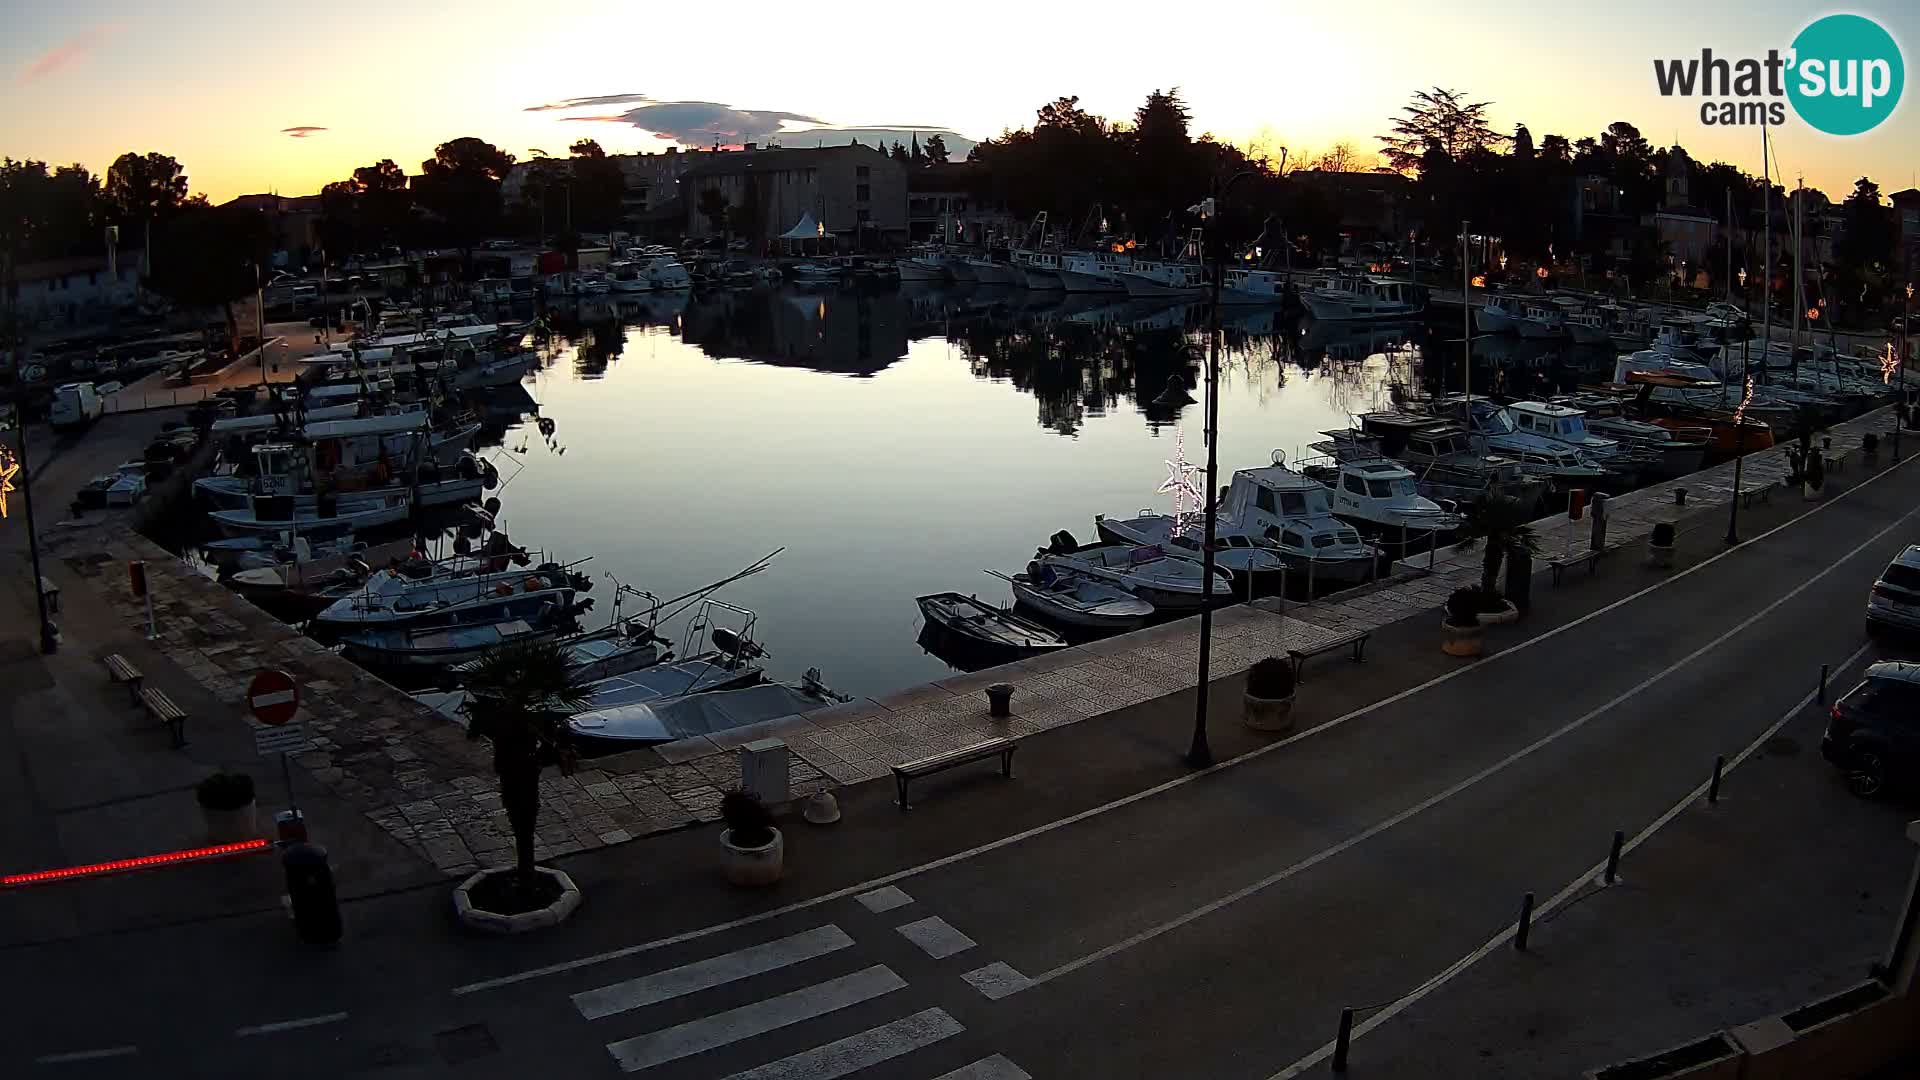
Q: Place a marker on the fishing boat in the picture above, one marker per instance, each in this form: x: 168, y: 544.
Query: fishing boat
x: 1587, y: 328
x: 1381, y: 498
x: 1093, y: 271
x: 1147, y: 571
x: 452, y: 643
x: 1254, y: 287
x: 1249, y: 558
x: 247, y: 552
x: 1294, y: 513
x: 1441, y: 456
x: 1541, y: 321
x: 1357, y: 297
x: 1567, y: 426
x: 1073, y: 599
x: 1038, y: 270
x: 275, y: 514
x: 1499, y: 314
x: 1148, y: 278
x: 391, y: 598
x: 989, y: 271
x: 712, y: 712
x: 1674, y: 451
x: 1494, y: 431
x: 984, y: 629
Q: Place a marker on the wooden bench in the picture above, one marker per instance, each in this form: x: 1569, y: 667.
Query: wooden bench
x: 161, y: 707
x: 121, y: 670
x: 1356, y: 638
x: 1749, y: 492
x: 1590, y: 559
x: 980, y: 751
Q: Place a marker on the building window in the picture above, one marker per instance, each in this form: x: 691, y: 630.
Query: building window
x: 862, y: 216
x: 862, y: 171
x: 864, y: 192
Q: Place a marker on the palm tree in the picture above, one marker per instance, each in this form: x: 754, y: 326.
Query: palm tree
x: 1503, y: 522
x: 521, y: 697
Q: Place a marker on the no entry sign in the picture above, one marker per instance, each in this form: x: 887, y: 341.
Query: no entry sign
x: 273, y: 697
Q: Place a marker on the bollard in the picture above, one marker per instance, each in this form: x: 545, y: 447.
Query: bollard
x: 1526, y: 923
x: 1713, y: 789
x: 1823, y: 684
x: 1613, y: 857
x: 1342, y: 1041
x: 1679, y: 496
x: 999, y: 700
x: 310, y: 894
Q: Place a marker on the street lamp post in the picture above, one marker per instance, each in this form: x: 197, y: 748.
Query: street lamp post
x: 1900, y: 374
x: 1199, y: 754
x: 49, y: 633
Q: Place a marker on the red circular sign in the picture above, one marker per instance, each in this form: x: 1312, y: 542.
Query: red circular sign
x: 273, y: 697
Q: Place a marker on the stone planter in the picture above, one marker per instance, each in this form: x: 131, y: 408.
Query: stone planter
x: 1811, y: 493
x: 1507, y: 614
x: 231, y: 826
x: 1462, y: 640
x: 753, y: 866
x: 493, y: 922
x: 1267, y: 714
x: 1659, y: 556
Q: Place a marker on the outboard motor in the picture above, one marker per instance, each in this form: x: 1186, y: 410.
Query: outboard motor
x: 1062, y: 542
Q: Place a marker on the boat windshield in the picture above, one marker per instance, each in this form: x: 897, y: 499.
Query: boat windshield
x: 1492, y: 419
x: 1574, y: 427
x: 1387, y: 489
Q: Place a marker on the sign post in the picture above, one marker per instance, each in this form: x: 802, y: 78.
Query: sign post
x: 137, y: 578
x: 274, y: 698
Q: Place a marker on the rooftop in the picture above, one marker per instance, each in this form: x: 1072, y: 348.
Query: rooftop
x: 733, y: 162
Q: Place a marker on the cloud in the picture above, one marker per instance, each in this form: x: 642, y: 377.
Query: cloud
x: 65, y: 53
x: 303, y: 131
x: 583, y: 102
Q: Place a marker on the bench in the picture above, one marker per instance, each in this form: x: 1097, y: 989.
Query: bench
x: 1749, y: 492
x: 1356, y: 638
x: 121, y: 670
x: 1590, y: 559
x: 161, y: 707
x: 980, y: 751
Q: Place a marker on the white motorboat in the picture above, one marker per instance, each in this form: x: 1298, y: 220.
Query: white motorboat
x: 1167, y: 582
x: 1542, y: 322
x: 274, y: 514
x: 1381, y: 498
x: 1499, y: 314
x: 1093, y: 271
x: 446, y: 645
x: 988, y: 271
x: 1355, y: 297
x: 1063, y: 596
x: 1494, y: 431
x: 391, y: 598
x: 1674, y: 451
x: 1038, y: 269
x: 1294, y: 513
x: 1587, y: 328
x: 665, y: 273
x: 1253, y: 287
x: 815, y: 272
x: 706, y: 712
x: 925, y: 268
x: 1567, y: 426
x: 1441, y: 456
x: 1146, y: 278
x: 1249, y: 558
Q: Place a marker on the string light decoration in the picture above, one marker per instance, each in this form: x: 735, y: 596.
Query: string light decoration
x: 9, y: 468
x: 1889, y: 364
x: 1740, y: 414
x: 116, y: 866
x: 1188, y: 499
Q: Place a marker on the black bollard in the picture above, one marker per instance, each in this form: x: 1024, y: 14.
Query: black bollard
x: 1679, y: 496
x: 1342, y: 1040
x: 1613, y: 857
x: 1823, y: 684
x: 1525, y: 924
x: 316, y: 910
x: 1598, y: 543
x: 1713, y: 789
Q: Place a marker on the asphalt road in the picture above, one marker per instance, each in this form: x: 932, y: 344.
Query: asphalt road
x: 1212, y: 928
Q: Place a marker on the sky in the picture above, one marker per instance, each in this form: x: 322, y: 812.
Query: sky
x: 287, y: 98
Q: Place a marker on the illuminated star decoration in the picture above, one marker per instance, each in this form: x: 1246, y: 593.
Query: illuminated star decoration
x: 1180, y: 483
x: 1740, y: 413
x: 1888, y: 365
x: 9, y: 468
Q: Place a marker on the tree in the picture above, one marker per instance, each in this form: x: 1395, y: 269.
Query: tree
x: 1437, y: 117
x: 206, y: 257
x: 461, y: 184
x: 899, y: 152
x: 144, y: 189
x: 1867, y: 236
x: 913, y: 151
x: 1341, y: 157
x: 936, y: 150
x: 1501, y: 522
x: 45, y: 215
x: 520, y: 698
x: 713, y: 206
x: 599, y: 185
x: 1163, y: 117
x: 1556, y: 148
x: 1522, y: 143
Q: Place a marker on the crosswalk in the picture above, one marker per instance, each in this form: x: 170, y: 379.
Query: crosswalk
x: 783, y: 1017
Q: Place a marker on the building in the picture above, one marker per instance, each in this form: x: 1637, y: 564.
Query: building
x: 78, y: 291
x: 855, y: 193
x: 1906, y: 224
x: 293, y: 225
x: 953, y: 204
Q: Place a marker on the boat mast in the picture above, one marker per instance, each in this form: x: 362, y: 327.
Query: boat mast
x: 1799, y: 293
x: 1466, y: 306
x: 1729, y: 245
x: 1766, y: 259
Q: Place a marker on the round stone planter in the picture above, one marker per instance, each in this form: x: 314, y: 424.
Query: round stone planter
x: 1462, y: 640
x: 231, y: 826
x: 753, y: 867
x: 1659, y: 556
x: 1507, y: 614
x: 493, y: 922
x: 1811, y: 493
x: 1268, y: 714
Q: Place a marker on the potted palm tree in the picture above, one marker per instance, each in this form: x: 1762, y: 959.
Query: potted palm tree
x: 227, y: 805
x: 1870, y: 448
x: 1268, y: 701
x: 1660, y: 545
x: 1813, y: 477
x: 1461, y: 633
x: 520, y: 696
x: 1502, y: 524
x: 755, y: 850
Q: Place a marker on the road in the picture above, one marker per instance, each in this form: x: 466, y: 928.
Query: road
x: 1212, y: 927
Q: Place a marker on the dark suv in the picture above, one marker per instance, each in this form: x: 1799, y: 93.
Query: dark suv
x: 1875, y: 730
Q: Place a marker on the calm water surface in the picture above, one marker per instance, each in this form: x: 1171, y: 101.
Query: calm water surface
x: 894, y: 444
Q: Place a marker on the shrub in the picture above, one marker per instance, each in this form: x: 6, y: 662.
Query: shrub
x: 747, y: 818
x: 1271, y: 678
x: 224, y: 791
x: 1463, y: 607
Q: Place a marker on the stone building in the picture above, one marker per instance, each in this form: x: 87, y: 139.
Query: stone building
x: 856, y: 193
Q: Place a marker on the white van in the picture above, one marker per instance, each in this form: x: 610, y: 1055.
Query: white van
x: 75, y: 405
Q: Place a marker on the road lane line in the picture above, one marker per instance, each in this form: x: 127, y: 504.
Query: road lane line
x: 1159, y: 789
x: 1572, y: 889
x: 1434, y: 800
x: 844, y: 1057
x: 758, y: 1018
x: 936, y: 937
x: 996, y: 980
x: 86, y: 1055
x: 289, y: 1025
x: 714, y: 971
x: 996, y: 1067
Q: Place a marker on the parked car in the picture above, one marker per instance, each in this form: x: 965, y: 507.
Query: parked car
x: 75, y: 405
x: 1874, y: 732
x: 1894, y: 602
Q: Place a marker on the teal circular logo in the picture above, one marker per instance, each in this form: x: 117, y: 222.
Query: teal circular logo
x: 1847, y: 74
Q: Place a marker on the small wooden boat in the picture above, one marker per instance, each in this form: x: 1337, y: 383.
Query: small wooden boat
x: 1071, y: 599
x: 985, y: 628
x: 441, y: 646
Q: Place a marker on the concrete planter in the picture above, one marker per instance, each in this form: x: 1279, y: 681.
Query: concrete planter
x: 1267, y: 714
x: 1507, y: 614
x: 1659, y: 556
x: 493, y: 922
x: 1462, y: 640
x: 1811, y: 493
x: 753, y: 867
x: 231, y: 826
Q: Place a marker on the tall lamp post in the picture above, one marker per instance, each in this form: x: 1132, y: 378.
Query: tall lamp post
x: 9, y: 471
x: 1900, y: 374
x: 1199, y: 754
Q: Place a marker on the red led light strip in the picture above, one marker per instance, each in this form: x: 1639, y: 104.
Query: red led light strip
x: 215, y: 851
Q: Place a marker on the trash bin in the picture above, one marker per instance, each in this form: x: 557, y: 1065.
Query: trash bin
x: 310, y: 893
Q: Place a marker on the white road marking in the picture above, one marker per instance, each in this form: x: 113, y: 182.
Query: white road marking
x: 1564, y: 895
x: 996, y: 980
x: 278, y: 697
x: 1434, y: 800
x: 936, y: 937
x: 886, y: 899
x: 855, y: 1052
x: 1159, y: 789
x: 289, y: 1025
x: 85, y: 1055
x: 721, y: 1029
x: 996, y: 1067
x: 715, y: 971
